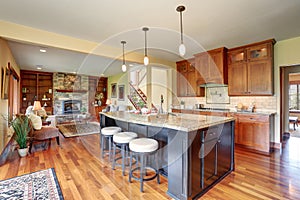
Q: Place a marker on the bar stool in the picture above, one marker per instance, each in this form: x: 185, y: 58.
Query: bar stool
x: 121, y: 141
x: 143, y: 147
x: 107, y: 134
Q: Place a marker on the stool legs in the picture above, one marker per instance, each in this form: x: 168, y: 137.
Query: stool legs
x: 109, y: 138
x: 142, y: 172
x: 142, y: 169
x: 123, y: 158
x: 130, y: 166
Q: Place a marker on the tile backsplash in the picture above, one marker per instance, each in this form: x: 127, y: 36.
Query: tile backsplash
x: 262, y: 103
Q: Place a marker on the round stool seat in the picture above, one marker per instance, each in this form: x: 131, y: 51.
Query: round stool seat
x: 124, y: 137
x: 143, y: 145
x: 111, y: 130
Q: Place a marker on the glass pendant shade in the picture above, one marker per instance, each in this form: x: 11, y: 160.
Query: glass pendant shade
x: 181, y: 49
x: 124, y: 68
x: 146, y: 60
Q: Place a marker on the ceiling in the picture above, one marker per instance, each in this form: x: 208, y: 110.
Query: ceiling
x: 207, y: 24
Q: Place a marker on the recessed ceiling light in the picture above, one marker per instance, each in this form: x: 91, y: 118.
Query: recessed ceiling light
x: 43, y: 50
x: 39, y: 68
x: 102, y: 75
x: 74, y: 72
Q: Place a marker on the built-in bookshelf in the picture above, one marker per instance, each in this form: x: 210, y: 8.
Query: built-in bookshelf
x: 36, y: 86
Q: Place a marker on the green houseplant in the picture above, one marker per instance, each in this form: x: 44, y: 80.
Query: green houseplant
x: 21, y: 127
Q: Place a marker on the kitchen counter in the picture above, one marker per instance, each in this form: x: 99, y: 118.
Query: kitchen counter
x: 223, y: 110
x: 195, y: 151
x: 178, y: 121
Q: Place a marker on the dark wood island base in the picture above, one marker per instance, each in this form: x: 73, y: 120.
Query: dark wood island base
x: 193, y: 157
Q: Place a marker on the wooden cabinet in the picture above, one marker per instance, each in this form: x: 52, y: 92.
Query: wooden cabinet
x: 253, y: 131
x: 250, y: 69
x: 187, y: 85
x: 36, y: 86
x: 97, y: 95
x: 212, y: 66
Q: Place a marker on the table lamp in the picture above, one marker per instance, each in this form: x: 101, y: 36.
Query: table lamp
x: 36, y: 106
x: 108, y: 102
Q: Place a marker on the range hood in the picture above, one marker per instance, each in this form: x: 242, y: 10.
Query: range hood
x: 212, y: 85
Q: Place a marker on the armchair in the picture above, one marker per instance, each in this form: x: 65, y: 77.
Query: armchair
x: 45, y: 133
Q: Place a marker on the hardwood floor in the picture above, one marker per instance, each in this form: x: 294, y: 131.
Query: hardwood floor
x: 83, y: 176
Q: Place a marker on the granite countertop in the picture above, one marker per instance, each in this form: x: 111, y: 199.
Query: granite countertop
x: 178, y: 121
x: 261, y: 112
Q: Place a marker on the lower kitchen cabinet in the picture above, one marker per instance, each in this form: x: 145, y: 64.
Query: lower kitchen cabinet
x: 253, y: 131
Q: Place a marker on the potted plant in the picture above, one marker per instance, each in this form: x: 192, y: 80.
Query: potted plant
x: 21, y: 128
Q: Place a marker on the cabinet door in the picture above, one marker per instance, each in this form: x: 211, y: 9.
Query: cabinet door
x: 216, y: 66
x: 254, y: 132
x: 181, y: 84
x: 259, y: 52
x: 237, y: 79
x: 260, y: 77
x: 201, y: 61
x: 236, y: 56
x: 191, y: 84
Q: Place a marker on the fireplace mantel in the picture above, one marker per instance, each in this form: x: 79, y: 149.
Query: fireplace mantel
x: 76, y: 91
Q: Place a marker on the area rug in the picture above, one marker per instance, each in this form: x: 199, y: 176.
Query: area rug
x: 37, y: 185
x: 79, y: 129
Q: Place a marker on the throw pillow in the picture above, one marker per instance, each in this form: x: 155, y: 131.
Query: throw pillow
x: 36, y: 121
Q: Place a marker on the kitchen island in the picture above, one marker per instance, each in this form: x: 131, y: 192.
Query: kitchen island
x: 196, y: 151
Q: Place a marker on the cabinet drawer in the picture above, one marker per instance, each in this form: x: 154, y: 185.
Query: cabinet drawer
x: 253, y: 118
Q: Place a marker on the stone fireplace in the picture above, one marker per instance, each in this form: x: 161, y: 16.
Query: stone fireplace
x: 71, y: 89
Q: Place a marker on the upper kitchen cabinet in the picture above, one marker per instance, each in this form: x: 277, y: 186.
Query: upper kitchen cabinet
x: 250, y: 69
x: 212, y: 66
x: 187, y: 84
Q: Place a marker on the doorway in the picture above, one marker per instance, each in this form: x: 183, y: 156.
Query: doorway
x: 285, y: 72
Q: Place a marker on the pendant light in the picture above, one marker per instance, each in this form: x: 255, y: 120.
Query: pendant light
x: 124, y: 65
x: 146, y: 59
x: 181, y: 46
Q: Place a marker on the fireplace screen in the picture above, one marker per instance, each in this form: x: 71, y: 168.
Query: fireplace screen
x: 71, y: 106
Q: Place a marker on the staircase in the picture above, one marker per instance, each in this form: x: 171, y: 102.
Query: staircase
x: 138, y: 98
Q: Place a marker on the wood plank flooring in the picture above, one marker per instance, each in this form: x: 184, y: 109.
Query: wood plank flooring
x: 82, y: 175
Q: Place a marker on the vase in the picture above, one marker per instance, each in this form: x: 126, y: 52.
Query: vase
x: 23, y: 152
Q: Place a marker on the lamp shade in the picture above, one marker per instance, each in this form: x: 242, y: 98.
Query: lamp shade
x: 37, y: 105
x: 108, y: 101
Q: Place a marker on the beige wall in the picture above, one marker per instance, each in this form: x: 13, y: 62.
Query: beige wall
x: 119, y: 79
x: 5, y: 57
x: 286, y: 52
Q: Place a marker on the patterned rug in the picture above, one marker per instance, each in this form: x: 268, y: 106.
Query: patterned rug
x: 37, y: 185
x: 79, y: 129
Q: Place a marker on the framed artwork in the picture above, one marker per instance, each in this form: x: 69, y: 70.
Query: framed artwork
x: 113, y: 90
x: 121, y: 92
x: 5, y: 83
x: 1, y: 84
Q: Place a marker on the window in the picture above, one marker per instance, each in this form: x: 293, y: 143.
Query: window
x: 294, y: 98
